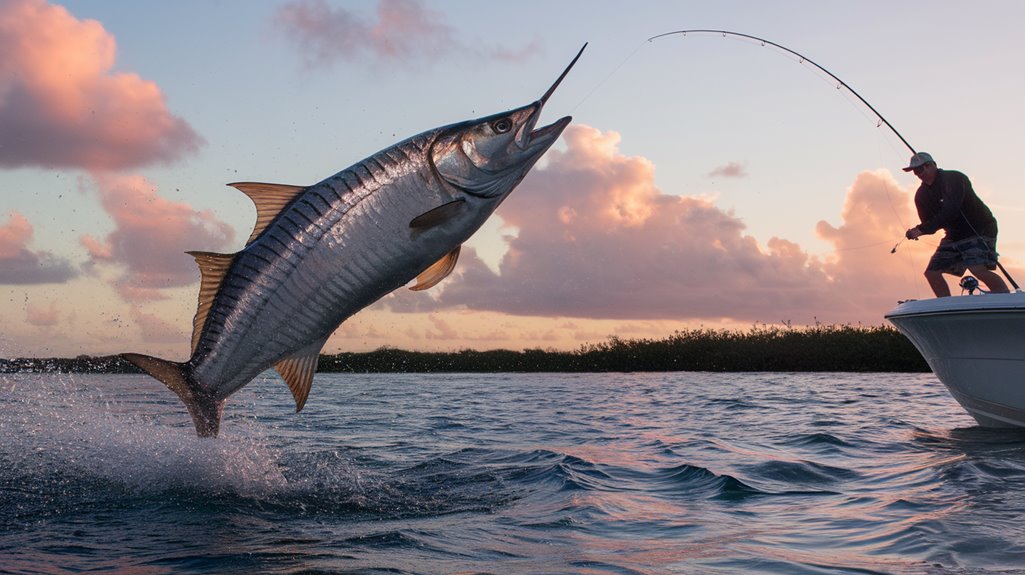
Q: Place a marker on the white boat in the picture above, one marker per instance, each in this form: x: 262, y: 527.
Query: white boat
x: 975, y: 344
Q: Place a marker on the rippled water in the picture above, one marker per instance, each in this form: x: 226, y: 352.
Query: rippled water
x: 536, y: 473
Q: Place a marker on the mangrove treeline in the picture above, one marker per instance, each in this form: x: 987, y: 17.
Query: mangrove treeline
x: 769, y: 348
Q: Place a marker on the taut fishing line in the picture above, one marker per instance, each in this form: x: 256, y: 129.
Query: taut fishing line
x: 607, y: 77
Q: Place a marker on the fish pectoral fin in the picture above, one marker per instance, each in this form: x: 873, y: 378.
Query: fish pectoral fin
x: 270, y: 199
x: 438, y: 271
x: 213, y: 267
x: 436, y: 217
x: 298, y: 370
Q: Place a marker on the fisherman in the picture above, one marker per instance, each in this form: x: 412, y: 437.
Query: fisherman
x: 946, y: 201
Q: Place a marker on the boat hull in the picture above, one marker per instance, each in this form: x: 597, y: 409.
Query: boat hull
x: 976, y: 346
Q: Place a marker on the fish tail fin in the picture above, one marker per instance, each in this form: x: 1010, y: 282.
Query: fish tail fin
x: 204, y: 408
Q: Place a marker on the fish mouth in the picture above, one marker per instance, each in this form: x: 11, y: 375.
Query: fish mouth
x: 546, y: 134
x: 528, y: 137
x: 536, y: 141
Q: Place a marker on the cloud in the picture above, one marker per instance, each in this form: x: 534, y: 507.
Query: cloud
x: 597, y: 239
x: 42, y: 316
x: 404, y: 31
x: 442, y: 329
x: 20, y: 265
x: 730, y: 170
x: 61, y: 105
x: 151, y: 235
x: 156, y: 330
x: 876, y: 213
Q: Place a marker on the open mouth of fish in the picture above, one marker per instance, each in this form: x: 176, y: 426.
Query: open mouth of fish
x: 528, y: 136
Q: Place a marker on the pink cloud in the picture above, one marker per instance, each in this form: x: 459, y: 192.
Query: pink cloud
x: 14, y: 235
x: 875, y: 215
x: 442, y: 329
x: 61, y: 105
x: 730, y: 170
x: 404, y: 30
x: 597, y: 239
x: 151, y: 235
x: 20, y: 265
x: 156, y: 330
x: 42, y: 316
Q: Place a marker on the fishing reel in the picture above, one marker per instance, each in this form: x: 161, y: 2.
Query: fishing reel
x: 969, y: 283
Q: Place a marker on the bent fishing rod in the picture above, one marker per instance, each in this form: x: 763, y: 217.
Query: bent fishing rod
x: 803, y: 59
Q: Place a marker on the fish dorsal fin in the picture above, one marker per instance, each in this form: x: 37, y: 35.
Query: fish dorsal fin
x: 213, y: 268
x: 438, y: 271
x: 270, y: 199
x: 437, y: 216
x: 298, y: 370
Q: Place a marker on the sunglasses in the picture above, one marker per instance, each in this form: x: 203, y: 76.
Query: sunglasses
x: 919, y: 169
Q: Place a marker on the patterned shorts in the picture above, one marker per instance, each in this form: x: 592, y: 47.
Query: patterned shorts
x: 956, y: 257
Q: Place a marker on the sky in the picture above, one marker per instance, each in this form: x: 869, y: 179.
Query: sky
x: 705, y: 182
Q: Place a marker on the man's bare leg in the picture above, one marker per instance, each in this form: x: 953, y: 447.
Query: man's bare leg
x: 993, y: 281
x: 937, y: 283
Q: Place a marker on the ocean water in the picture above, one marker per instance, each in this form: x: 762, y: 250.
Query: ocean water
x: 521, y: 473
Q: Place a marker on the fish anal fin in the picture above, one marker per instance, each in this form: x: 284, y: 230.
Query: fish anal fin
x: 438, y: 271
x: 436, y: 217
x: 298, y: 371
x: 213, y: 267
x: 269, y: 199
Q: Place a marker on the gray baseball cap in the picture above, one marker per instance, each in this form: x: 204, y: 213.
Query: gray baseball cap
x: 919, y: 159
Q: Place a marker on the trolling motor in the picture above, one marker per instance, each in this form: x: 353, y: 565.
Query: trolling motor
x: 971, y: 284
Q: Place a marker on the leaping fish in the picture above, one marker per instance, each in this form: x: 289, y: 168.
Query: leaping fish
x: 318, y: 254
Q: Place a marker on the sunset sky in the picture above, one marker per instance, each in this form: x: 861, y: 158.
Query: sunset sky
x: 705, y: 181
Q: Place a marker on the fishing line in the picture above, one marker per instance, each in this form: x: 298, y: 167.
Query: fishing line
x: 850, y: 249
x: 608, y: 77
x: 861, y: 247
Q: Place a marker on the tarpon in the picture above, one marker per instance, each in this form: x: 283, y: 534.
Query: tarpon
x: 318, y: 254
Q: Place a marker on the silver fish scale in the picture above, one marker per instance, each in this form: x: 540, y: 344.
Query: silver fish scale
x: 338, y: 247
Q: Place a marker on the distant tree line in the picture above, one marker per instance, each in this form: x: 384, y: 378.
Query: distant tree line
x: 768, y: 348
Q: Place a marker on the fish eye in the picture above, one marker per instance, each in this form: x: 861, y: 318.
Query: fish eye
x: 502, y: 126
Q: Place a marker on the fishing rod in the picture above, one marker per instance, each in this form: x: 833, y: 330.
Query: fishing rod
x: 803, y: 59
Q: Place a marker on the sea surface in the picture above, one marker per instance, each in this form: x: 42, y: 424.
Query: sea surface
x: 523, y: 473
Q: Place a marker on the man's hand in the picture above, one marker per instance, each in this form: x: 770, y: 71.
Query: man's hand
x: 913, y: 233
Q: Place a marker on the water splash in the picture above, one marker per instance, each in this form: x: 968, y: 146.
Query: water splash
x: 72, y: 427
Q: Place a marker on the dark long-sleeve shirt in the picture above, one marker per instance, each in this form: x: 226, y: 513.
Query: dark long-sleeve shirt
x: 950, y: 204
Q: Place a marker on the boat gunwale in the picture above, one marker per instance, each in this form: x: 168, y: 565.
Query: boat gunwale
x: 979, y: 310
x: 960, y: 305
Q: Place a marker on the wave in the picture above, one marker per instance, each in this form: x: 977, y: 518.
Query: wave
x: 817, y: 441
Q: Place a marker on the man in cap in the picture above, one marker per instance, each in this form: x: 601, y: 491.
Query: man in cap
x: 946, y: 201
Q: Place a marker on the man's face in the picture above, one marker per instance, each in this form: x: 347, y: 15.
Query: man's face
x: 926, y: 172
